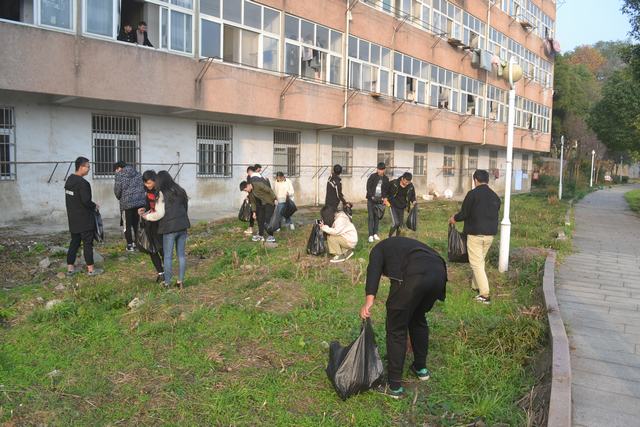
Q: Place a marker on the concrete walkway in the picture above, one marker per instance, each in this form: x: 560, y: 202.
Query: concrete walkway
x: 598, y: 289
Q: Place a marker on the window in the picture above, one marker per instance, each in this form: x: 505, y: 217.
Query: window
x: 449, y: 162
x: 99, y: 17
x: 215, y: 150
x: 447, y: 19
x: 312, y: 50
x: 286, y: 152
x: 248, y: 33
x: 493, y: 160
x: 445, y: 89
x: 385, y: 154
x: 471, y: 100
x: 474, y: 30
x: 7, y: 144
x: 56, y: 13
x: 115, y: 138
x: 412, y: 77
x: 420, y: 159
x: 472, y: 161
x: 496, y: 107
x: 342, y: 153
x: 525, y: 163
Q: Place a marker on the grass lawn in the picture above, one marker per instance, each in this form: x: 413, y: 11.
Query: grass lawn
x: 246, y: 341
x: 633, y: 199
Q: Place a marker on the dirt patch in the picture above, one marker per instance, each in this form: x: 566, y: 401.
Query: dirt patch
x: 526, y: 255
x: 279, y: 296
x: 536, y: 402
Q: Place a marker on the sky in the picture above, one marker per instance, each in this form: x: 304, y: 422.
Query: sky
x: 588, y: 21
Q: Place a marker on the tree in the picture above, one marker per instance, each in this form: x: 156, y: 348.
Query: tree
x: 588, y: 56
x: 616, y: 117
x: 632, y: 8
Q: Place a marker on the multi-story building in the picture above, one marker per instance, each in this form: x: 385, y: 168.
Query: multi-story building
x: 296, y: 85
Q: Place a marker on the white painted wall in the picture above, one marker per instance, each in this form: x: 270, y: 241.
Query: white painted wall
x: 50, y: 132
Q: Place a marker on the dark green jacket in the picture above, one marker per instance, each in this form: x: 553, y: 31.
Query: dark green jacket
x: 262, y: 193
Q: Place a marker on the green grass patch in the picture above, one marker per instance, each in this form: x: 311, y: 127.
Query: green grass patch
x: 246, y: 341
x: 633, y: 199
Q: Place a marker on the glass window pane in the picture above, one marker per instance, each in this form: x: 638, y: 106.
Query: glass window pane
x: 164, y: 28
x: 271, y: 21
x: 397, y: 61
x: 270, y: 54
x: 250, y: 48
x: 384, y: 82
x: 188, y: 4
x: 335, y: 72
x: 233, y: 11
x: 292, y: 59
x: 291, y: 27
x: 210, y: 39
x: 355, y: 77
x: 353, y: 47
x: 385, y: 59
x: 180, y: 31
x: 336, y: 41
x: 56, y: 13
x: 210, y: 7
x: 307, y: 29
x: 100, y: 17
x: 231, y: 48
x: 375, y: 54
x: 363, y: 53
x: 322, y: 37
x: 252, y: 15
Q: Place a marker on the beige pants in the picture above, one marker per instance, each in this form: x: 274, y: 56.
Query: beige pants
x: 477, y: 247
x: 337, y: 244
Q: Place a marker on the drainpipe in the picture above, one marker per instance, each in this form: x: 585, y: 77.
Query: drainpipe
x: 345, y: 70
x: 317, y: 201
x: 486, y: 77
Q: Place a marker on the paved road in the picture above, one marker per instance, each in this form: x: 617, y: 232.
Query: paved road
x: 598, y: 290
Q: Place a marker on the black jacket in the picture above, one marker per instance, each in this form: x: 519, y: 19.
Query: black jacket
x: 80, y: 208
x: 401, y: 197
x: 372, y: 183
x: 176, y: 216
x: 398, y: 257
x: 129, y: 37
x: 334, y: 192
x: 480, y: 210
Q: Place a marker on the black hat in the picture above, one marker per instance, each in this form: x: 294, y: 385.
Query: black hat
x: 381, y: 165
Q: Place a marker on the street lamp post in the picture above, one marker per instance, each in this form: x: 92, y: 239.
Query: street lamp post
x: 620, y: 170
x: 561, y: 166
x: 593, y: 157
x: 515, y: 74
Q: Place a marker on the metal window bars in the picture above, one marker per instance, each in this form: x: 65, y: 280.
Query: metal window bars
x: 114, y: 138
x: 215, y: 150
x: 286, y: 152
x: 7, y: 144
x: 342, y: 153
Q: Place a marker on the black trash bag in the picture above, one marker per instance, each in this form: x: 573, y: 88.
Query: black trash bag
x: 412, y: 219
x: 289, y: 208
x: 378, y: 210
x: 245, y: 211
x: 317, y: 244
x: 274, y: 223
x: 144, y: 242
x: 395, y: 220
x: 457, y: 250
x: 98, y: 232
x: 357, y: 367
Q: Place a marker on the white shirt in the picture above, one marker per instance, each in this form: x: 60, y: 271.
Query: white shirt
x: 283, y: 189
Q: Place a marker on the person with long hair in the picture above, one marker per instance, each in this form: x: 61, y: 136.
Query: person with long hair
x: 149, y: 179
x: 173, y: 221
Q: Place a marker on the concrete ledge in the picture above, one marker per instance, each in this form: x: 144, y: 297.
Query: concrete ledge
x: 560, y: 402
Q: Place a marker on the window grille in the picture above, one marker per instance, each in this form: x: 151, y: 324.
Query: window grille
x: 385, y: 154
x: 7, y: 144
x: 472, y: 162
x: 215, y: 150
x: 342, y: 153
x: 286, y: 152
x: 115, y: 138
x: 449, y: 163
x: 420, y: 159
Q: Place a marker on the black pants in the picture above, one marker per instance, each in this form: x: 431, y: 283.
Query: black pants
x: 131, y: 220
x: 397, y: 218
x: 264, y: 214
x: 86, y: 238
x: 372, y: 216
x: 407, y: 305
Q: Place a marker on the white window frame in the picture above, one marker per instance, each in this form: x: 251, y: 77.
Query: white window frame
x: 376, y: 68
x: 420, y: 159
x: 447, y: 83
x: 472, y: 26
x: 9, y: 131
x: 168, y: 6
x: 451, y: 15
x: 37, y: 13
x: 114, y: 23
x: 471, y: 88
x: 212, y: 142
x: 329, y: 52
x: 414, y: 70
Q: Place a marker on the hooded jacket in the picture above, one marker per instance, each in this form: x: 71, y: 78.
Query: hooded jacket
x: 80, y: 208
x: 129, y: 188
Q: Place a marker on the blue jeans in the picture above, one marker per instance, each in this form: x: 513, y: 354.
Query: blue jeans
x: 287, y: 221
x: 179, y: 240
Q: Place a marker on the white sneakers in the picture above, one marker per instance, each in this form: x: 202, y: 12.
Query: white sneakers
x: 370, y: 239
x: 248, y: 231
x: 376, y: 237
x: 292, y: 227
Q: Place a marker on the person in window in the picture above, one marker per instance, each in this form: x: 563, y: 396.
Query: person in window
x: 141, y: 34
x: 127, y: 34
x: 418, y: 278
x: 80, y: 212
x: 377, y: 188
x: 283, y: 189
x: 129, y: 190
x: 401, y: 195
x: 342, y: 236
x: 171, y: 212
x: 149, y: 178
x: 334, y: 196
x: 263, y: 203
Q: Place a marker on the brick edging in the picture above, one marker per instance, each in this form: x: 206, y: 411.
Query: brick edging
x: 560, y: 402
